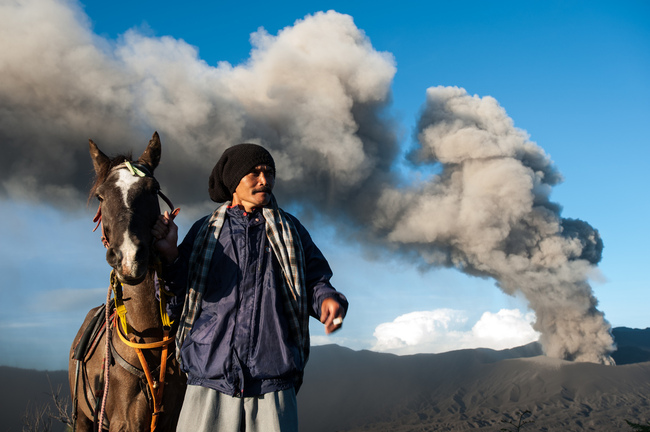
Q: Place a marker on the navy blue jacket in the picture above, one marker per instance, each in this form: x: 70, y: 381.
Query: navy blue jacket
x: 240, y: 344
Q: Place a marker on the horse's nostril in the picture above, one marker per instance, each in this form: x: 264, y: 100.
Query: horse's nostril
x: 113, y: 257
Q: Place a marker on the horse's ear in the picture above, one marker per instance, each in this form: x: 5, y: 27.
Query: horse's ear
x: 100, y: 160
x: 151, y: 155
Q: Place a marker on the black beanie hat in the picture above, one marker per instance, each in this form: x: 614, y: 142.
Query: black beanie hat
x: 235, y: 163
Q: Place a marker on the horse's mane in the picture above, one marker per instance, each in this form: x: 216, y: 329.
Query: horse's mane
x: 100, y: 177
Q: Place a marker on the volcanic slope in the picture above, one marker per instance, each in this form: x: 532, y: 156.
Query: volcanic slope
x: 468, y: 390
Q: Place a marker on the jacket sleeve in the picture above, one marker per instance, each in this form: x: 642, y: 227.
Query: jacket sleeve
x: 318, y: 274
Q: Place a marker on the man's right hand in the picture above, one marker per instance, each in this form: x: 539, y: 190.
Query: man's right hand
x: 165, y: 231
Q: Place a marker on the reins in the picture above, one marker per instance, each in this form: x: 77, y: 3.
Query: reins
x: 124, y: 329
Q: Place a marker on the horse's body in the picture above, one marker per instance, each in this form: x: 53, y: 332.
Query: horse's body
x: 128, y: 210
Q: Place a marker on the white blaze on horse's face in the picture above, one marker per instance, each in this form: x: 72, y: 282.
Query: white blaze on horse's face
x: 130, y: 266
x: 125, y: 182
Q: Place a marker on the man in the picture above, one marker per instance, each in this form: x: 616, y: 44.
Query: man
x: 252, y: 276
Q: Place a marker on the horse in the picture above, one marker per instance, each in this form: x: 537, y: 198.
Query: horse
x: 135, y: 384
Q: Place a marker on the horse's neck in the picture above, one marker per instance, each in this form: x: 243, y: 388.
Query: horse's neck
x: 142, y: 308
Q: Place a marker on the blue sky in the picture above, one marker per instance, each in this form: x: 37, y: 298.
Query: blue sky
x: 574, y: 75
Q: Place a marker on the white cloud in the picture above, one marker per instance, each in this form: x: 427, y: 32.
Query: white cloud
x: 444, y: 330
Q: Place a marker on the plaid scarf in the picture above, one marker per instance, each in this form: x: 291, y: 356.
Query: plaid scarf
x: 287, y: 247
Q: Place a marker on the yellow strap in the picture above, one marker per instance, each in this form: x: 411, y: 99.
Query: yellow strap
x: 121, y: 308
x: 164, y: 316
x: 164, y: 295
x: 119, y: 303
x: 152, y: 345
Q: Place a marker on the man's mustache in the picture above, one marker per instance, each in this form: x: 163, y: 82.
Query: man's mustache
x: 264, y: 189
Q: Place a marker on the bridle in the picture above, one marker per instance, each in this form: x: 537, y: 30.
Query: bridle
x: 120, y: 323
x: 138, y: 170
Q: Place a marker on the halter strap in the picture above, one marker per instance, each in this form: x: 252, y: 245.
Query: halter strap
x: 136, y: 169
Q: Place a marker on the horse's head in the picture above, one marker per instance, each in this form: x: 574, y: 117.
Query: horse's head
x: 128, y: 208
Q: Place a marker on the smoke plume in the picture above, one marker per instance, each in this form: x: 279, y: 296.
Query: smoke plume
x: 316, y: 95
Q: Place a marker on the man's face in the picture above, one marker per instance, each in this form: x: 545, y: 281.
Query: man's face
x: 254, y: 189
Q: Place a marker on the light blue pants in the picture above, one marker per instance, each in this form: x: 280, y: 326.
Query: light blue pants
x: 207, y: 410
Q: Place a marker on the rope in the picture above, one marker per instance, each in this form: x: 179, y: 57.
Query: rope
x: 106, y: 360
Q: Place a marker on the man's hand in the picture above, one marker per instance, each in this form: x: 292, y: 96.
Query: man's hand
x: 165, y: 231
x: 331, y: 314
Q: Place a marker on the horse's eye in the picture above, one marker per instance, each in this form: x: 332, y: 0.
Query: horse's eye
x: 99, y: 198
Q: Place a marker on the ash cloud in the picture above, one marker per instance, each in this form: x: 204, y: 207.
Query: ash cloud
x: 316, y: 95
x: 489, y: 213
